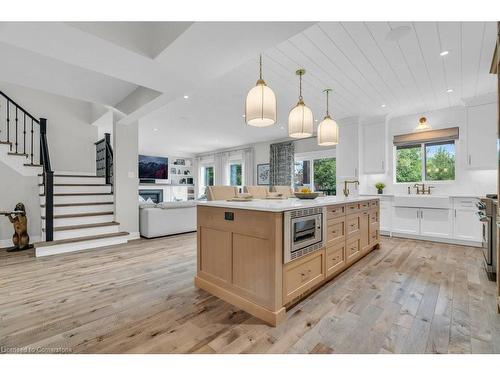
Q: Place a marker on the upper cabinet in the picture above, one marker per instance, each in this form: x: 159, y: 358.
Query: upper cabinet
x: 347, y: 151
x: 482, y: 137
x: 373, y: 140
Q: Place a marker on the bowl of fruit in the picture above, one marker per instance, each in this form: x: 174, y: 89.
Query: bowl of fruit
x: 305, y: 193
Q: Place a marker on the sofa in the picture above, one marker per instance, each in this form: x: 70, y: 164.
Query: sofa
x: 167, y: 218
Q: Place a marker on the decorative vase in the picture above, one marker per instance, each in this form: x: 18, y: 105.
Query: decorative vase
x: 380, y: 191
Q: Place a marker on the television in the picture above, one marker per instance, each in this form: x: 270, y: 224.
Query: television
x: 153, y: 167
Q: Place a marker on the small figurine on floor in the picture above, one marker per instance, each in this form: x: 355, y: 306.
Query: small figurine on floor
x: 19, y: 220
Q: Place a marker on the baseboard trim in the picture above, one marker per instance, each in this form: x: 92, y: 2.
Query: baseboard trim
x: 8, y: 243
x: 133, y: 236
x: 451, y: 241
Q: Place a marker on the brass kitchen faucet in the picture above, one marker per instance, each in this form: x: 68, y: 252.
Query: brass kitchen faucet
x: 346, y: 190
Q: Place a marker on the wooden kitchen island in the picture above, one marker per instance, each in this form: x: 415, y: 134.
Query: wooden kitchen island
x: 240, y: 250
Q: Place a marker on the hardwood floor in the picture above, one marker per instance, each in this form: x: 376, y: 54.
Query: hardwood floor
x: 407, y: 297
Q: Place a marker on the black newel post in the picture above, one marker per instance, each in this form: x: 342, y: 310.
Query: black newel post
x: 48, y: 177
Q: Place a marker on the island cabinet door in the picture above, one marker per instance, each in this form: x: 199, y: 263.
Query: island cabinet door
x: 353, y: 250
x: 353, y: 224
x: 335, y: 259
x: 303, y: 274
x: 333, y: 212
x: 335, y: 231
x: 364, y: 231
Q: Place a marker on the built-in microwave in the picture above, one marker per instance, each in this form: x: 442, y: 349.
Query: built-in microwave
x: 303, y: 232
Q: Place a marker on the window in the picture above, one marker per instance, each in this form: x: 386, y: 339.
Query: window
x: 235, y: 174
x: 440, y: 161
x: 302, y: 173
x: 325, y: 178
x: 207, y: 178
x: 316, y: 172
x: 434, y: 161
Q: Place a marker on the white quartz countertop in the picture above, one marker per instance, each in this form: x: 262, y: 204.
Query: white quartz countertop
x: 274, y: 205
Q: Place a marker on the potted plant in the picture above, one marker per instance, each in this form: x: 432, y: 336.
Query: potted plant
x: 380, y: 187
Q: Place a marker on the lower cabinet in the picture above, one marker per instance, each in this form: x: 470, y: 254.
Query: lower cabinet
x: 352, y: 249
x: 435, y: 222
x: 466, y: 225
x: 303, y: 274
x: 406, y: 220
x: 335, y: 259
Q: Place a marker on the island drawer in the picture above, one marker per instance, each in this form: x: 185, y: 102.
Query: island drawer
x: 335, y: 258
x: 374, y: 236
x: 301, y: 275
x: 351, y: 208
x: 374, y: 216
x: 363, y: 206
x: 335, y: 231
x: 352, y: 249
x: 335, y: 211
x: 353, y: 224
x: 373, y: 204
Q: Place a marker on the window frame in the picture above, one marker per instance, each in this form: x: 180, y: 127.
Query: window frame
x: 202, y: 187
x: 311, y: 157
x: 423, y: 170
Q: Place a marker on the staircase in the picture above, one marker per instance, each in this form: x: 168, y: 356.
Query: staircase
x: 77, y: 209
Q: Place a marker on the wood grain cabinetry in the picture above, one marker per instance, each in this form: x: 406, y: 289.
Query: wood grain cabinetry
x: 240, y: 255
x: 303, y: 274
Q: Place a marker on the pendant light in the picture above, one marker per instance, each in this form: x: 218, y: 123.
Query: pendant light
x: 260, y: 106
x: 328, y: 130
x: 300, y: 119
x: 422, y: 125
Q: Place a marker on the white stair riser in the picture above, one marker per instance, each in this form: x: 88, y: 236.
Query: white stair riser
x: 64, y: 199
x: 68, y: 210
x: 83, y: 245
x: 75, y: 180
x: 63, y: 222
x: 84, y: 232
x: 78, y: 189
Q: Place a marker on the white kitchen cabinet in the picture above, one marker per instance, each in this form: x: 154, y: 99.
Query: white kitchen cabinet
x: 482, y: 137
x: 406, y: 220
x: 385, y: 216
x: 435, y: 222
x: 373, y: 137
x: 347, y: 151
x: 466, y: 225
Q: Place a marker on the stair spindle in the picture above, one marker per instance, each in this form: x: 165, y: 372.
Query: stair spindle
x: 16, y: 131
x: 32, y: 141
x: 24, y: 134
x: 8, y: 125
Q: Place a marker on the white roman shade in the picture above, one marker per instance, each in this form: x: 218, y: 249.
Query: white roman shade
x: 437, y: 135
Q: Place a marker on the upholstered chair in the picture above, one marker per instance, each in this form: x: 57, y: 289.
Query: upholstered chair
x: 286, y: 191
x: 220, y: 193
x: 258, y: 192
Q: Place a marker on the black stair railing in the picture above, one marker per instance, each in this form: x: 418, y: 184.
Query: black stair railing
x: 104, y: 159
x: 37, y: 155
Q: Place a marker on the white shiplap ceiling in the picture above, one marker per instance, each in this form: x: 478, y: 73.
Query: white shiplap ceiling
x: 364, y: 69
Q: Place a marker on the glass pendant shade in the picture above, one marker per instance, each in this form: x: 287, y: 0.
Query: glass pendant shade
x: 328, y: 132
x: 300, y: 121
x: 260, y: 106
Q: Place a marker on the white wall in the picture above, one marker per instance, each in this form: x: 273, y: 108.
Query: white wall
x: 71, y: 145
x: 468, y: 181
x: 70, y: 136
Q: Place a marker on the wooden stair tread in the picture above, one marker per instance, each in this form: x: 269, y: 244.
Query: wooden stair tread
x: 79, y: 239
x: 5, y: 143
x: 74, y: 175
x: 32, y: 165
x: 80, y: 204
x: 77, y: 185
x: 85, y: 226
x: 86, y: 214
x: 17, y: 154
x: 68, y: 194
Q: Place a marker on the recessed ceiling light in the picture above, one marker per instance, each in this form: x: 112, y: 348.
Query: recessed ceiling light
x: 186, y: 96
x: 449, y: 90
x: 155, y: 129
x: 282, y: 127
x: 383, y: 106
x: 316, y: 120
x: 444, y: 53
x: 243, y: 116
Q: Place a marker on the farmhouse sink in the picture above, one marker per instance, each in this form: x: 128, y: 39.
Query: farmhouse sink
x: 424, y: 201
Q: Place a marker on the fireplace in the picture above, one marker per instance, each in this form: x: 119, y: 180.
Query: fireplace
x: 156, y: 195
